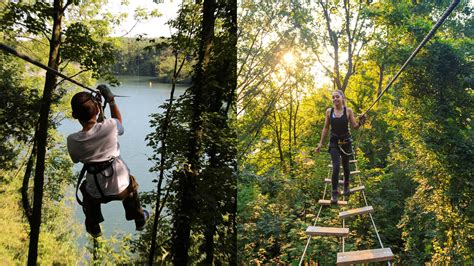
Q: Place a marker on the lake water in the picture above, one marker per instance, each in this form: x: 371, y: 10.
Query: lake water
x: 145, y: 98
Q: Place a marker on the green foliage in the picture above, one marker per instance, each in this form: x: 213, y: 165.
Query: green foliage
x: 114, y: 250
x: 415, y: 151
x: 18, y: 104
x: 58, y: 231
x: 136, y: 57
x: 443, y: 147
x: 141, y: 245
x: 200, y: 168
x: 19, y: 115
x: 148, y: 57
x: 80, y: 48
x: 18, y: 18
x: 92, y: 55
x: 83, y: 43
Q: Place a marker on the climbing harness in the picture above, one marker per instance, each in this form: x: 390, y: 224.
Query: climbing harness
x: 105, y: 169
x: 344, y: 143
x: 95, y: 96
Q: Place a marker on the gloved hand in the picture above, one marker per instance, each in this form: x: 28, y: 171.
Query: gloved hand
x: 106, y: 92
x: 362, y: 120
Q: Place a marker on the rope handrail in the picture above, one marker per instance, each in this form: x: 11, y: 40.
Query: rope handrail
x: 314, y: 224
x: 415, y: 52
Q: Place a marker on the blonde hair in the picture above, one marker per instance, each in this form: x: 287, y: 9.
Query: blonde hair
x: 342, y: 95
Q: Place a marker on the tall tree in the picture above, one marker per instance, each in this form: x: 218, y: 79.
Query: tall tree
x: 42, y: 134
x: 201, y: 144
x: 187, y: 180
x: 183, y: 45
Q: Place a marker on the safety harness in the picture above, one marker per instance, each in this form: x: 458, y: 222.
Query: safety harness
x: 96, y: 168
x: 344, y: 143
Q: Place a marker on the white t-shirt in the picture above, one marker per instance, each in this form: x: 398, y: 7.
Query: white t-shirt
x: 98, y: 144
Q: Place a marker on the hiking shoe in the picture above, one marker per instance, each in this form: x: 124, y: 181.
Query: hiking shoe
x: 334, y: 197
x: 347, y: 191
x: 140, y: 223
x: 94, y: 230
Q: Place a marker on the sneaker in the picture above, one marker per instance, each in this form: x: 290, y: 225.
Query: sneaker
x: 347, y: 191
x: 140, y: 223
x: 334, y: 197
x: 94, y: 230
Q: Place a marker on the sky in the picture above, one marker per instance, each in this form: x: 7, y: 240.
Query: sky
x: 155, y: 27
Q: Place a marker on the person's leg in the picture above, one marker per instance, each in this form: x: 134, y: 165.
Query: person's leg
x: 92, y: 211
x: 132, y: 206
x: 345, y: 167
x: 336, y: 164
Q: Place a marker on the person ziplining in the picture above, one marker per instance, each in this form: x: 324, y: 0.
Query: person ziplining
x: 107, y: 176
x: 96, y: 146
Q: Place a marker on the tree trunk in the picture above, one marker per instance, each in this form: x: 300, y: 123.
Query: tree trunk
x: 182, y: 221
x: 186, y: 183
x: 164, y: 154
x: 380, y: 81
x: 353, y: 39
x: 49, y: 86
x: 278, y: 135
x: 209, y: 242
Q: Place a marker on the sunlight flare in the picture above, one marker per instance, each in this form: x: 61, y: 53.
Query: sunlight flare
x: 289, y: 58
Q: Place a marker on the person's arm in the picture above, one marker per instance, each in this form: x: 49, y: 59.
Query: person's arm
x: 114, y: 111
x: 353, y: 121
x: 71, y: 148
x: 325, y: 130
x: 110, y: 98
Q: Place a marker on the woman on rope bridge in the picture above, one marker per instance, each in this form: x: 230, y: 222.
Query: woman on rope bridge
x: 108, y: 177
x: 340, y: 143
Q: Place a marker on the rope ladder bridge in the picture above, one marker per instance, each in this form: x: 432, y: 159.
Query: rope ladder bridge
x: 382, y: 254
x: 348, y: 257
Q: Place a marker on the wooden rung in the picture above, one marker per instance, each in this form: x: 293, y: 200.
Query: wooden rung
x: 359, y: 188
x: 328, y: 180
x: 341, y: 182
x: 350, y: 161
x: 353, y: 190
x: 357, y: 211
x: 364, y: 256
x: 328, y: 202
x: 327, y: 231
x: 352, y: 172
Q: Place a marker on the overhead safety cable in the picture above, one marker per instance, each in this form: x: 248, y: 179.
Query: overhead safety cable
x: 415, y: 52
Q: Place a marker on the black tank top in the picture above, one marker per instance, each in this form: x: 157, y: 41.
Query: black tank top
x: 339, y: 125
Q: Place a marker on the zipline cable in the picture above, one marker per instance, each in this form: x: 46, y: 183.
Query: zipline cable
x: 36, y: 63
x: 425, y: 40
x: 47, y: 68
